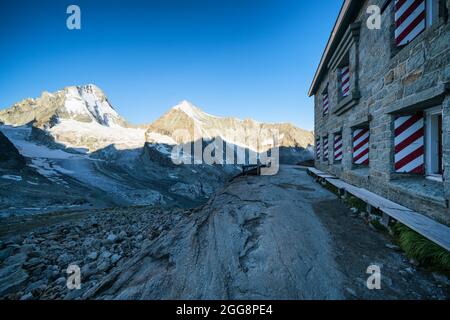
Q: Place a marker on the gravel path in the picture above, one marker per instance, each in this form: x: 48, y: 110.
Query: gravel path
x: 274, y: 237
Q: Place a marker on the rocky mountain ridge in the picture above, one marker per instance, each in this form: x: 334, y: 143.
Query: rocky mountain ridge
x: 83, y: 117
x: 85, y: 103
x: 248, y: 133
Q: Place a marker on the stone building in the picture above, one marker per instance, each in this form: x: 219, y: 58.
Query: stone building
x: 382, y: 102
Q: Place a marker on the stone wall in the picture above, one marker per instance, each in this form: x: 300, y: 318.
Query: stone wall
x: 386, y: 81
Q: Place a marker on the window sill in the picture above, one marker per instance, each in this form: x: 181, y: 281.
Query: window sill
x: 347, y: 103
x: 435, y: 177
x: 423, y: 188
x: 362, y: 171
x: 421, y: 100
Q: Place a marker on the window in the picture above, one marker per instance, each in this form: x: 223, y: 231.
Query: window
x: 361, y: 146
x: 344, y: 76
x: 344, y: 66
x: 412, y: 17
x: 325, y: 148
x: 409, y: 144
x: 318, y: 149
x: 338, y: 147
x: 433, y: 158
x: 418, y: 144
x: 325, y: 104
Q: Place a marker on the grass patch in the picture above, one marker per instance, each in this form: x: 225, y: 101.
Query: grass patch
x: 379, y: 226
x: 377, y: 212
x: 331, y: 188
x: 356, y: 203
x: 421, y: 249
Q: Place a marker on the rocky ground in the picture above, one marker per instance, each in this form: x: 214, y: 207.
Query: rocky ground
x: 268, y: 237
x: 34, y: 261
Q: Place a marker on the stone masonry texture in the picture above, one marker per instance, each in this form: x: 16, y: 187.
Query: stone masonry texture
x: 387, y: 80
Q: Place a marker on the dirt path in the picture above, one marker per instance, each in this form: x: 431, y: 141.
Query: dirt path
x: 279, y: 237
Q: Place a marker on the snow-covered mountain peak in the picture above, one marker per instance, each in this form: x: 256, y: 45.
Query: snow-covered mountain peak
x: 192, y: 111
x: 90, y: 101
x: 76, y: 116
x: 86, y: 103
x: 84, y: 89
x: 187, y: 107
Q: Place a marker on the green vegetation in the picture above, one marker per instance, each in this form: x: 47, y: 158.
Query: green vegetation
x: 356, y: 203
x: 379, y: 226
x: 421, y: 249
x: 426, y: 252
x: 331, y: 188
x: 376, y: 212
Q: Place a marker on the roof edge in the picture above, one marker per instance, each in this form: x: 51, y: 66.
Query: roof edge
x: 343, y: 20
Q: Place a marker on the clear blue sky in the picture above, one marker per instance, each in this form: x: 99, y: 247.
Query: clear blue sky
x: 246, y: 58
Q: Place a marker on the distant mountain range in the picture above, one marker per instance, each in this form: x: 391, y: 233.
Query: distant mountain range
x: 82, y: 116
x: 80, y: 152
x: 233, y: 130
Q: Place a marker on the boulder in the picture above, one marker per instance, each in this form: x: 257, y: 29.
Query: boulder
x: 10, y: 158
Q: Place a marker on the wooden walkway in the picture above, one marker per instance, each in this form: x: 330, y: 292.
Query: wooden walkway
x: 427, y: 227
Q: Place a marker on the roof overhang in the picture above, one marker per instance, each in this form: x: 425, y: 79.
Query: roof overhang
x: 348, y: 13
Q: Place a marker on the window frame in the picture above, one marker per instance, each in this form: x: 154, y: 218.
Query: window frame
x: 361, y: 165
x: 432, y: 12
x: 339, y: 133
x: 325, y: 91
x: 319, y: 154
x: 345, y: 62
x: 327, y: 159
x: 430, y: 146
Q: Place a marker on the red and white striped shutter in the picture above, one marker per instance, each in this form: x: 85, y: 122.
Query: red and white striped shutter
x: 361, y: 146
x: 325, y: 103
x: 409, y: 144
x: 345, y: 81
x: 338, y: 147
x: 325, y: 148
x: 410, y: 20
x: 318, y: 150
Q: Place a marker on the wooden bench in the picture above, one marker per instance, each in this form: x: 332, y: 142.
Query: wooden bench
x: 427, y: 227
x: 319, y: 175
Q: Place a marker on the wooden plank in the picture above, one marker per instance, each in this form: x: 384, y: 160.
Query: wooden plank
x: 337, y: 183
x: 373, y: 199
x: 319, y: 173
x: 315, y: 171
x: 377, y: 201
x: 327, y: 176
x: 429, y: 228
